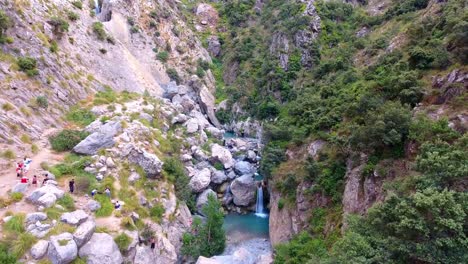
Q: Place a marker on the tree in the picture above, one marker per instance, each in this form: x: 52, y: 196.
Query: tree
x: 206, y: 239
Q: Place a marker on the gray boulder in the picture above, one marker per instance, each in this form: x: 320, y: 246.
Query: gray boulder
x: 218, y: 177
x: 171, y: 90
x: 221, y: 154
x: 243, y: 190
x: 74, y: 218
x: 101, y: 248
x: 150, y: 163
x: 214, y: 46
x: 39, y: 249
x: 62, y: 249
x: 84, y: 232
x: 103, y: 138
x: 200, y: 180
x: 243, y: 167
x: 49, y: 191
x: 34, y: 217
x: 93, y: 205
x: 251, y: 156
x: 144, y: 255
x: 203, y: 199
x: 20, y: 187
x: 192, y: 125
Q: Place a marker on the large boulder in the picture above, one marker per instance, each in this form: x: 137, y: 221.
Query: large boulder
x: 203, y: 199
x: 243, y: 189
x: 150, y: 163
x: 46, y: 195
x: 218, y: 177
x: 93, y: 205
x: 39, y: 249
x: 143, y: 255
x: 62, y: 249
x: 221, y: 154
x: 102, y: 138
x: 206, y: 99
x: 192, y: 125
x: 84, y: 232
x: 200, y: 180
x: 74, y: 218
x: 214, y: 46
x: 243, y: 167
x: 101, y: 248
x: 171, y: 90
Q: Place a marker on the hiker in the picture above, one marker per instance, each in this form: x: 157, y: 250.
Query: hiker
x: 117, y: 205
x: 108, y: 192
x: 24, y: 179
x: 27, y: 163
x: 18, y: 170
x: 45, y: 181
x: 71, y: 184
x: 153, y: 243
x: 93, y: 192
x: 34, y: 181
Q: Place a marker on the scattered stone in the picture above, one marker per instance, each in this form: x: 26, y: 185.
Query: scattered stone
x: 20, y: 187
x: 192, y: 125
x: 46, y: 195
x: 74, y: 218
x: 34, y: 217
x: 110, y: 163
x: 218, y: 177
x: 93, y: 205
x: 84, y: 232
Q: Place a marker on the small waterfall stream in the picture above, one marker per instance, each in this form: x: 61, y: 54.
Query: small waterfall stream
x: 259, y: 210
x: 97, y: 8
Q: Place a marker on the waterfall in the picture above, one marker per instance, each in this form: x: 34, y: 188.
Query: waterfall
x: 96, y: 4
x: 260, y: 211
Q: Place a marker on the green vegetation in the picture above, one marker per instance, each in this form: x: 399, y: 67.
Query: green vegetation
x: 78, y: 4
x: 80, y: 116
x: 174, y: 75
x: 5, y: 23
x: 98, y: 29
x: 16, y: 196
x: 5, y: 256
x: 67, y: 139
x: 59, y: 25
x: 106, y: 96
x: 163, y: 56
x: 175, y: 172
x: 9, y: 154
x: 72, y: 16
x: 123, y: 241
x: 42, y: 101
x: 7, y: 107
x: 106, y: 206
x: 208, y: 238
x: 28, y: 65
x: 157, y: 212
x: 67, y: 202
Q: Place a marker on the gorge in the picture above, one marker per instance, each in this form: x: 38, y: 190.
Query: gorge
x: 233, y: 131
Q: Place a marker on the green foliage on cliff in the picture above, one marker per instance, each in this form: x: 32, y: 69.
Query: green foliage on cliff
x: 67, y: 139
x: 175, y: 172
x: 208, y: 238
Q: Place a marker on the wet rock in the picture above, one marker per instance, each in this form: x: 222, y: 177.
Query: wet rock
x: 101, y: 248
x: 243, y: 190
x: 62, y: 249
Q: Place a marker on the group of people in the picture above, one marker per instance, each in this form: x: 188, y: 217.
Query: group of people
x: 22, y: 169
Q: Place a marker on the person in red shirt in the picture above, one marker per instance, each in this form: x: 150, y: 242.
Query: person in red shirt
x: 24, y: 179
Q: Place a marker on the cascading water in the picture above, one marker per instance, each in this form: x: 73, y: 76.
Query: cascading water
x: 259, y: 210
x: 96, y: 5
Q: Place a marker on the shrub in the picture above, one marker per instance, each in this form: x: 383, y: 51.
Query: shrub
x: 5, y: 22
x: 134, y: 29
x: 163, y: 56
x: 23, y: 243
x: 34, y: 149
x: 200, y: 72
x: 173, y: 75
x: 123, y: 241
x: 157, y: 212
x: 98, y: 29
x: 105, y: 97
x: 80, y: 116
x: 67, y: 139
x: 5, y: 256
x: 82, y: 184
x: 42, y: 101
x: 147, y: 233
x: 67, y: 202
x: 174, y: 170
x: 16, y: 196
x: 106, y: 206
x: 16, y: 224
x: 78, y: 4
x: 7, y: 107
x: 53, y: 46
x: 28, y: 65
x: 299, y: 249
x: 59, y: 25
x: 9, y: 154
x: 73, y: 16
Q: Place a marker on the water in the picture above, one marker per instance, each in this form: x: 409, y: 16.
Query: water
x: 97, y: 9
x: 259, y: 210
x: 228, y: 135
x: 244, y: 227
x: 258, y: 177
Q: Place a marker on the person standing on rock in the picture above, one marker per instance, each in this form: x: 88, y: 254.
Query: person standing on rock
x: 34, y: 181
x: 71, y: 184
x: 153, y: 243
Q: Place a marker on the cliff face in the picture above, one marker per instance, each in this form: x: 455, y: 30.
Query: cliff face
x: 75, y: 63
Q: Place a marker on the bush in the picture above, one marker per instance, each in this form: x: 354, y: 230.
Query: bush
x: 53, y: 46
x: 7, y: 107
x: 23, y: 243
x: 123, y: 241
x: 98, y: 29
x: 200, y: 72
x: 34, y: 149
x: 67, y: 202
x: 42, y: 101
x: 106, y: 206
x: 67, y: 139
x: 5, y: 256
x: 175, y: 172
x: 163, y: 56
x: 5, y: 22
x: 15, y: 225
x: 78, y: 4
x: 16, y: 196
x: 208, y: 239
x: 300, y: 249
x: 80, y: 116
x: 105, y: 97
x: 73, y: 16
x: 157, y: 212
x: 59, y: 25
x: 28, y: 65
x: 8, y: 154
x: 173, y: 75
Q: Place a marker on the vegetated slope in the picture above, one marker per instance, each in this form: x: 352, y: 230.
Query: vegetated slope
x: 363, y: 104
